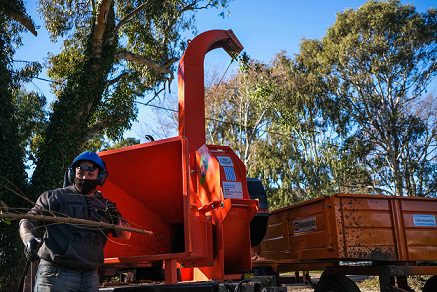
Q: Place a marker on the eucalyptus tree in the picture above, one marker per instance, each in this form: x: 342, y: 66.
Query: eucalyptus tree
x: 277, y: 120
x: 114, y: 52
x: 238, y: 110
x: 315, y: 161
x: 378, y: 61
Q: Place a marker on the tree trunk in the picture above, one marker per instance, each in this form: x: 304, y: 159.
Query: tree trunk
x: 72, y: 113
x: 397, y: 173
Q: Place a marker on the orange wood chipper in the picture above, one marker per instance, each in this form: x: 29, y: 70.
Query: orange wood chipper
x: 193, y: 196
x: 208, y: 220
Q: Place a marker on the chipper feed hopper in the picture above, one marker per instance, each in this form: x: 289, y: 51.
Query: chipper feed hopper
x: 192, y: 196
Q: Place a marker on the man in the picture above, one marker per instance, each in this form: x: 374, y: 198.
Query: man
x: 71, y: 254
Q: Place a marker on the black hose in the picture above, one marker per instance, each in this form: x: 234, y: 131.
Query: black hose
x: 237, y: 288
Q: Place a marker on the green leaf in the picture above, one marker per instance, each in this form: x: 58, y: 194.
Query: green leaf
x: 6, y: 221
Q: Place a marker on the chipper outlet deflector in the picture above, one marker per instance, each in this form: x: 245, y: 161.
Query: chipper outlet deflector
x: 193, y: 196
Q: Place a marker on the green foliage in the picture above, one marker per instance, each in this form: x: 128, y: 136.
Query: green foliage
x: 12, y: 174
x: 66, y: 63
x: 31, y: 118
x: 238, y: 110
x: 379, y: 60
x: 276, y: 119
x: 316, y: 163
x: 123, y: 143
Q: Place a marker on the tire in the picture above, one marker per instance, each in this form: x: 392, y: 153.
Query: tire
x: 430, y: 285
x: 336, y: 283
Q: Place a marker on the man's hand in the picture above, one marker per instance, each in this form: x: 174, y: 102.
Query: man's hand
x: 31, y: 249
x: 113, y: 212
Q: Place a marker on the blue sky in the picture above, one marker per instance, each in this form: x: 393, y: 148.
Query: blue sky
x: 263, y: 27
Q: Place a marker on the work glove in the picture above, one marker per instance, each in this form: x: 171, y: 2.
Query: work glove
x: 112, y: 211
x: 31, y: 248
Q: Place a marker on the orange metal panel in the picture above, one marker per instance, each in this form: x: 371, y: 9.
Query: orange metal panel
x: 170, y: 271
x: 273, y: 241
x: 368, y: 228
x: 416, y: 204
x: 420, y: 232
x: 422, y: 253
x: 364, y: 202
x: 367, y: 218
x: 146, y: 182
x: 236, y: 242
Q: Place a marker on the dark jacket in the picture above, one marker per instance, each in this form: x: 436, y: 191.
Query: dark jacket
x: 70, y: 245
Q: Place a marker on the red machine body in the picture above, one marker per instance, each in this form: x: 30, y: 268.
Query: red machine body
x: 193, y: 196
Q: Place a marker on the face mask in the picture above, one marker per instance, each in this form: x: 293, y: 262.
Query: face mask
x: 84, y: 186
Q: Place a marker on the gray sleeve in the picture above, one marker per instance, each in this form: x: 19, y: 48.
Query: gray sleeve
x: 46, y: 202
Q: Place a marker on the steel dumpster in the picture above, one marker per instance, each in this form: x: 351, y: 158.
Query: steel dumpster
x: 352, y: 227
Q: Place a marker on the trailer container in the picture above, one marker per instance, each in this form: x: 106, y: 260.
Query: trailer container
x: 354, y: 234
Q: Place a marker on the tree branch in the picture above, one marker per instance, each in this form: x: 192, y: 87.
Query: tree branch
x: 128, y: 17
x: 14, y: 12
x: 99, y: 127
x: 156, y: 95
x: 192, y: 7
x: 70, y: 220
x: 116, y: 79
x: 129, y: 56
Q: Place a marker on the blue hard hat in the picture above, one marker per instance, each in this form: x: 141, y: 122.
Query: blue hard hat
x: 89, y: 156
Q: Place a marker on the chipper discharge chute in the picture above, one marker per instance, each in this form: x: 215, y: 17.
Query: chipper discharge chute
x: 193, y: 196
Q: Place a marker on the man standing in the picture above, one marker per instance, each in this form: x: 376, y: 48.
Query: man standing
x: 71, y: 254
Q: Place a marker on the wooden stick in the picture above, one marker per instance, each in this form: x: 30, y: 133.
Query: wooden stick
x: 71, y: 220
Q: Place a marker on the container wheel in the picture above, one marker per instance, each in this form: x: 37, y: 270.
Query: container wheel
x: 430, y: 285
x: 336, y: 283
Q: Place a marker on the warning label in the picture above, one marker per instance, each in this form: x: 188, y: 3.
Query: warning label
x: 232, y: 190
x: 225, y: 161
x: 304, y: 225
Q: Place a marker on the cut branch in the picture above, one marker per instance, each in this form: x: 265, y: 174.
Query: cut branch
x: 129, y: 56
x: 15, y: 13
x: 70, y: 220
x: 25, y: 21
